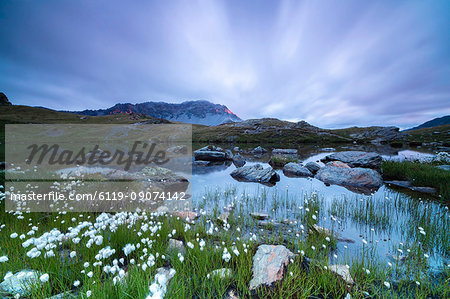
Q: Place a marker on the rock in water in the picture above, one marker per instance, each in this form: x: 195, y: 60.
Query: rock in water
x: 269, y: 264
x: 343, y: 272
x: 295, y: 169
x: 356, y: 159
x: 312, y: 166
x: 259, y: 150
x: 238, y: 160
x: 212, y: 153
x: 284, y: 152
x: 20, y: 282
x: 256, y: 173
x: 350, y: 177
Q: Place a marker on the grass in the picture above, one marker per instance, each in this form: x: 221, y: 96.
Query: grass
x: 242, y: 234
x: 419, y: 174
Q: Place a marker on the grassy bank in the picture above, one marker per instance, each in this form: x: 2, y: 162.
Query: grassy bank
x: 419, y: 174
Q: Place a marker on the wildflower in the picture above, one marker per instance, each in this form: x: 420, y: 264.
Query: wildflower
x: 328, y: 239
x: 86, y: 264
x: 389, y: 264
x: 426, y: 255
x: 73, y: 254
x: 302, y: 252
x: 90, y: 274
x: 14, y: 235
x: 314, y: 217
x: 88, y: 294
x: 3, y: 259
x: 129, y: 248
x: 226, y: 256
x: 180, y: 257
x: 190, y: 245
x: 418, y: 283
x: 313, y: 247
x: 236, y: 252
x: 76, y: 283
x: 387, y: 284
x: 44, y: 278
x: 364, y: 241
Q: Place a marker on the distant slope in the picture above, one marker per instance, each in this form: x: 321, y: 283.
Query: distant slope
x: 193, y: 112
x: 445, y: 120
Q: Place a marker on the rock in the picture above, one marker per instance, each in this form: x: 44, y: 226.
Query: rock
x: 19, y: 283
x: 346, y: 240
x: 328, y: 149
x: 297, y: 170
x: 350, y: 177
x: 444, y: 167
x: 236, y: 148
x: 268, y: 224
x: 269, y: 264
x: 337, y: 164
x: 224, y: 217
x: 4, y: 100
x: 212, y: 153
x: 428, y: 190
x: 255, y: 173
x: 323, y: 230
x: 200, y: 163
x: 238, y: 160
x: 356, y: 159
x: 259, y: 150
x: 259, y: 216
x: 313, y: 167
x: 343, y: 272
x: 284, y: 152
x: 403, y: 184
x: 186, y: 215
x: 162, y: 278
x: 223, y: 273
x: 176, y: 245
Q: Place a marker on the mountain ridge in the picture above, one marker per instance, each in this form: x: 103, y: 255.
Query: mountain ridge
x: 200, y: 112
x: 438, y: 121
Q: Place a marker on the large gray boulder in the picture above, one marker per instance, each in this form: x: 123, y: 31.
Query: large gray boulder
x: 350, y: 177
x: 296, y: 170
x: 256, y: 173
x: 238, y: 160
x: 312, y: 166
x: 20, y: 283
x: 212, y: 153
x: 269, y: 264
x: 356, y: 159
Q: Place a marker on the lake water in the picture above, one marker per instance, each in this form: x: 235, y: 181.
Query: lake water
x: 388, y: 219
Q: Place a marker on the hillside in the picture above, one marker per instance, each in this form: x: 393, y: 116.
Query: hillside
x: 440, y: 121
x: 192, y: 112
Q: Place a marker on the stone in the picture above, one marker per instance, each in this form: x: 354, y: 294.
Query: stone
x: 238, y: 160
x: 269, y: 264
x: 268, y: 224
x: 223, y: 273
x: 322, y: 230
x: 259, y: 150
x: 350, y: 177
x: 178, y: 149
x: 176, y: 245
x: 284, y: 152
x: 296, y: 170
x: 236, y: 148
x: 256, y: 173
x: 212, y: 153
x: 428, y: 190
x: 19, y: 283
x: 313, y: 167
x: 356, y: 159
x: 402, y: 184
x: 338, y: 164
x: 259, y: 216
x: 346, y: 240
x: 343, y: 272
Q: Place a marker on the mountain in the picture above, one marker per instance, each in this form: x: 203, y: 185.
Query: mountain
x: 4, y: 100
x: 193, y: 112
x: 440, y: 121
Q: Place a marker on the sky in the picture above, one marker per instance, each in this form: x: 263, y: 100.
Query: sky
x: 331, y: 63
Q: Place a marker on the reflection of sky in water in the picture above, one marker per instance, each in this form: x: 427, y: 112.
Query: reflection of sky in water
x: 382, y: 239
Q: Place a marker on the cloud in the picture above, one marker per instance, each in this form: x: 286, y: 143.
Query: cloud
x: 332, y: 64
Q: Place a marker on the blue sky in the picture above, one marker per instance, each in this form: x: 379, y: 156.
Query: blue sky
x: 331, y: 63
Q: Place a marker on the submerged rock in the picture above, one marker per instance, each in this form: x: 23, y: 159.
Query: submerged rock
x: 284, y: 152
x: 350, y: 177
x: 313, y: 167
x: 269, y: 264
x: 238, y: 160
x: 408, y: 185
x: 259, y: 216
x: 356, y: 159
x: 256, y: 173
x: 297, y: 170
x: 259, y: 150
x: 212, y: 153
x: 343, y: 272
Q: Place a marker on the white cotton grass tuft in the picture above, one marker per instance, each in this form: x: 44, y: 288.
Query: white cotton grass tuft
x: 4, y: 259
x: 44, y: 278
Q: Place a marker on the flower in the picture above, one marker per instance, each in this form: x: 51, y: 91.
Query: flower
x: 73, y: 254
x: 76, y: 283
x: 387, y: 284
x: 14, y: 235
x: 129, y: 248
x: 3, y: 259
x: 226, y: 256
x: 190, y: 245
x: 88, y: 294
x: 44, y: 278
x: 364, y: 241
x: 180, y: 257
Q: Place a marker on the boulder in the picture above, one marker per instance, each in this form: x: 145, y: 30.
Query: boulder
x: 350, y: 177
x: 176, y: 245
x: 296, y: 170
x: 212, y: 153
x: 312, y: 166
x: 343, y: 272
x: 284, y: 152
x: 356, y: 159
x: 269, y: 264
x: 256, y: 173
x: 259, y: 150
x: 238, y: 160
